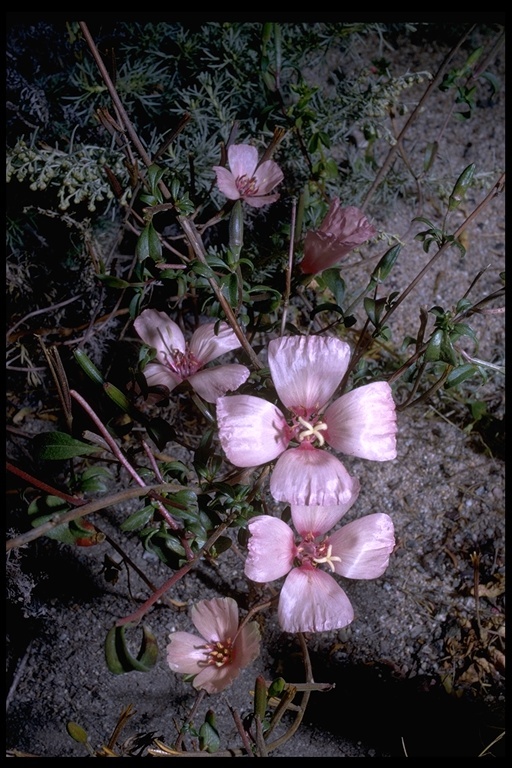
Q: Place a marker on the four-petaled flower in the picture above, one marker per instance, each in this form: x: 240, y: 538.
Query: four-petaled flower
x: 176, y: 361
x: 223, y: 649
x: 341, y: 230
x: 306, y: 370
x: 311, y: 600
x: 246, y: 180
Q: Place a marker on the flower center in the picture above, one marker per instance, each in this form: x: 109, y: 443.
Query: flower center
x: 316, y: 553
x: 219, y: 654
x: 247, y: 186
x: 312, y: 431
x: 182, y: 363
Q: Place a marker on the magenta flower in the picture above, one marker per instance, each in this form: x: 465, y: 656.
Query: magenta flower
x: 306, y: 370
x: 340, y: 232
x: 246, y: 180
x: 176, y: 361
x: 223, y: 649
x: 311, y: 600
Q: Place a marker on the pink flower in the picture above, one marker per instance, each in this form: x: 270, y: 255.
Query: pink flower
x: 306, y: 370
x: 310, y: 599
x: 340, y: 232
x: 223, y: 649
x: 176, y: 361
x: 247, y: 180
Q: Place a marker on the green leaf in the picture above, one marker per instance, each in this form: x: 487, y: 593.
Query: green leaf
x: 120, y: 660
x: 209, y: 739
x: 59, y: 446
x: 77, y: 733
x: 331, y: 279
x: 459, y: 374
x: 386, y: 264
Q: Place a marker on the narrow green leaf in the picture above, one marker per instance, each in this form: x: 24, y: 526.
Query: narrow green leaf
x: 58, y: 446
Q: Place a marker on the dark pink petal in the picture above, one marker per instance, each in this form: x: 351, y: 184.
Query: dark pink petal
x: 186, y: 653
x: 160, y: 375
x: 206, y: 345
x: 247, y: 645
x: 268, y: 175
x: 312, y: 601
x: 363, y: 422
x: 364, y: 546
x: 316, y: 520
x: 312, y: 476
x: 212, y: 383
x: 242, y: 160
x: 322, y: 251
x: 216, y: 619
x: 306, y: 370
x: 252, y: 431
x: 156, y: 329
x: 226, y: 182
x: 271, y: 549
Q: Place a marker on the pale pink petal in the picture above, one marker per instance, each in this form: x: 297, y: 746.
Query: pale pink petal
x: 247, y: 645
x: 186, y: 653
x: 306, y: 370
x: 212, y: 383
x: 259, y: 202
x: 158, y: 375
x: 271, y: 549
x: 312, y: 601
x: 226, y: 182
x: 214, y: 679
x: 216, y: 619
x: 364, y: 546
x: 363, y: 422
x: 316, y: 520
x: 156, y: 329
x: 242, y: 160
x: 312, y: 476
x: 206, y: 345
x: 268, y: 175
x: 252, y: 431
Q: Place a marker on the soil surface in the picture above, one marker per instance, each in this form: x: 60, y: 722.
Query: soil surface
x: 420, y: 671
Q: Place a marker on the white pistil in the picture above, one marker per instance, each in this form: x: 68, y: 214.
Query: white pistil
x: 329, y: 558
x: 312, y: 430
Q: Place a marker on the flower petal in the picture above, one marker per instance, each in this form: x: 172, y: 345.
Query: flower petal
x: 247, y: 645
x: 316, y: 520
x: 252, y: 431
x: 215, y: 619
x: 271, y: 549
x: 242, y: 160
x: 307, y: 369
x: 157, y: 330
x: 212, y: 383
x: 268, y: 175
x: 312, y: 601
x: 186, y: 653
x: 206, y: 345
x: 312, y: 476
x: 226, y: 183
x: 214, y: 679
x: 363, y: 422
x: 258, y: 202
x: 158, y: 375
x: 364, y: 546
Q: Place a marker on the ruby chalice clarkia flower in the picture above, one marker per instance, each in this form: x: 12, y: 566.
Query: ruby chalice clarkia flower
x: 306, y: 371
x: 311, y: 600
x: 223, y: 649
x: 246, y: 179
x: 176, y: 361
x: 340, y: 232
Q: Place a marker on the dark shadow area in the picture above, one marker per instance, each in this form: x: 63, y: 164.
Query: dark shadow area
x: 369, y: 704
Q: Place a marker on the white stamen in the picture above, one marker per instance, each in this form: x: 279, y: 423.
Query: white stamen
x: 312, y: 430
